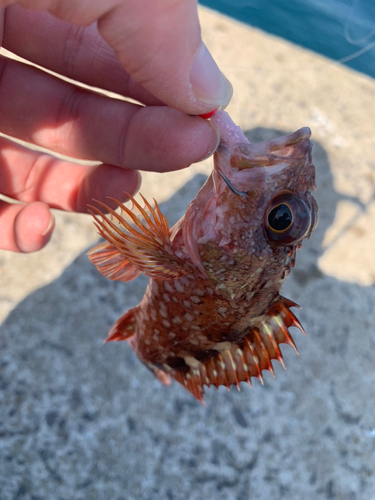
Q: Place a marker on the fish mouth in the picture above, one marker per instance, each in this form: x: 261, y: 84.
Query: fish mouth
x: 289, y: 141
x: 287, y: 148
x: 242, y: 165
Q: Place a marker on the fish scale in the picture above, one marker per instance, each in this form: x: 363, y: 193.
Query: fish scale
x: 212, y: 313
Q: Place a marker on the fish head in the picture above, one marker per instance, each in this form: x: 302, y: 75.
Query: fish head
x: 252, y: 214
x: 275, y: 180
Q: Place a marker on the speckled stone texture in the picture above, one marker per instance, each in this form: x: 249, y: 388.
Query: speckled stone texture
x: 83, y: 421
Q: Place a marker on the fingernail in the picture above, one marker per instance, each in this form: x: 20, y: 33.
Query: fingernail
x: 216, y: 144
x: 208, y: 83
x: 139, y: 183
x: 50, y: 226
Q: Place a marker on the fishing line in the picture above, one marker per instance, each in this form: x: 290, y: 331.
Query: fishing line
x: 346, y: 28
x: 348, y: 37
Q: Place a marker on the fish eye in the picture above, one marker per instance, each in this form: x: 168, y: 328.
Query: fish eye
x: 287, y: 219
x: 280, y: 218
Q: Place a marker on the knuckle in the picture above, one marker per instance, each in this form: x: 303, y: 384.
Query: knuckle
x: 72, y: 49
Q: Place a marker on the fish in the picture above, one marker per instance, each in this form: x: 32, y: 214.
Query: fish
x: 212, y: 313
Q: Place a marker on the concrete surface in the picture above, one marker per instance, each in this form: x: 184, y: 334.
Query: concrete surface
x: 79, y: 420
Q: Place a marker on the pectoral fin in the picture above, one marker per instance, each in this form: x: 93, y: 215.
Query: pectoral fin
x: 125, y: 327
x: 111, y: 263
x: 139, y: 242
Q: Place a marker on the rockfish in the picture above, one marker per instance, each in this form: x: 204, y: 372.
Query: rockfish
x: 212, y: 313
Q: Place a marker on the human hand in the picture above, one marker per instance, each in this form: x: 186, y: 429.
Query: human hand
x: 149, y: 50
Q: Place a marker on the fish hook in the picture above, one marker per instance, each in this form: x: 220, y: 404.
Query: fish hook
x: 240, y: 193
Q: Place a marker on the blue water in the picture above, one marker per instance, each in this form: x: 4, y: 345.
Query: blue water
x: 343, y: 30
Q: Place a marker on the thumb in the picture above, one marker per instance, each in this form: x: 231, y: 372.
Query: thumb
x: 159, y: 44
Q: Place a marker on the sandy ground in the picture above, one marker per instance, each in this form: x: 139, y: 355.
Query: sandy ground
x: 79, y: 420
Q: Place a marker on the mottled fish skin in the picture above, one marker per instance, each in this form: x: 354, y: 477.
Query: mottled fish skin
x: 212, y: 313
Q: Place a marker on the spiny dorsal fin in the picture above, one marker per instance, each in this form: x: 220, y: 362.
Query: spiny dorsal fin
x: 139, y: 243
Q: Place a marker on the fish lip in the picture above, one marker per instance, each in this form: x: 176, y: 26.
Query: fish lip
x: 296, y: 137
x: 244, y: 165
x: 289, y: 147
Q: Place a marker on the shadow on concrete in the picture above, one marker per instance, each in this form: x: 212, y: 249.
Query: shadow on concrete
x: 86, y: 421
